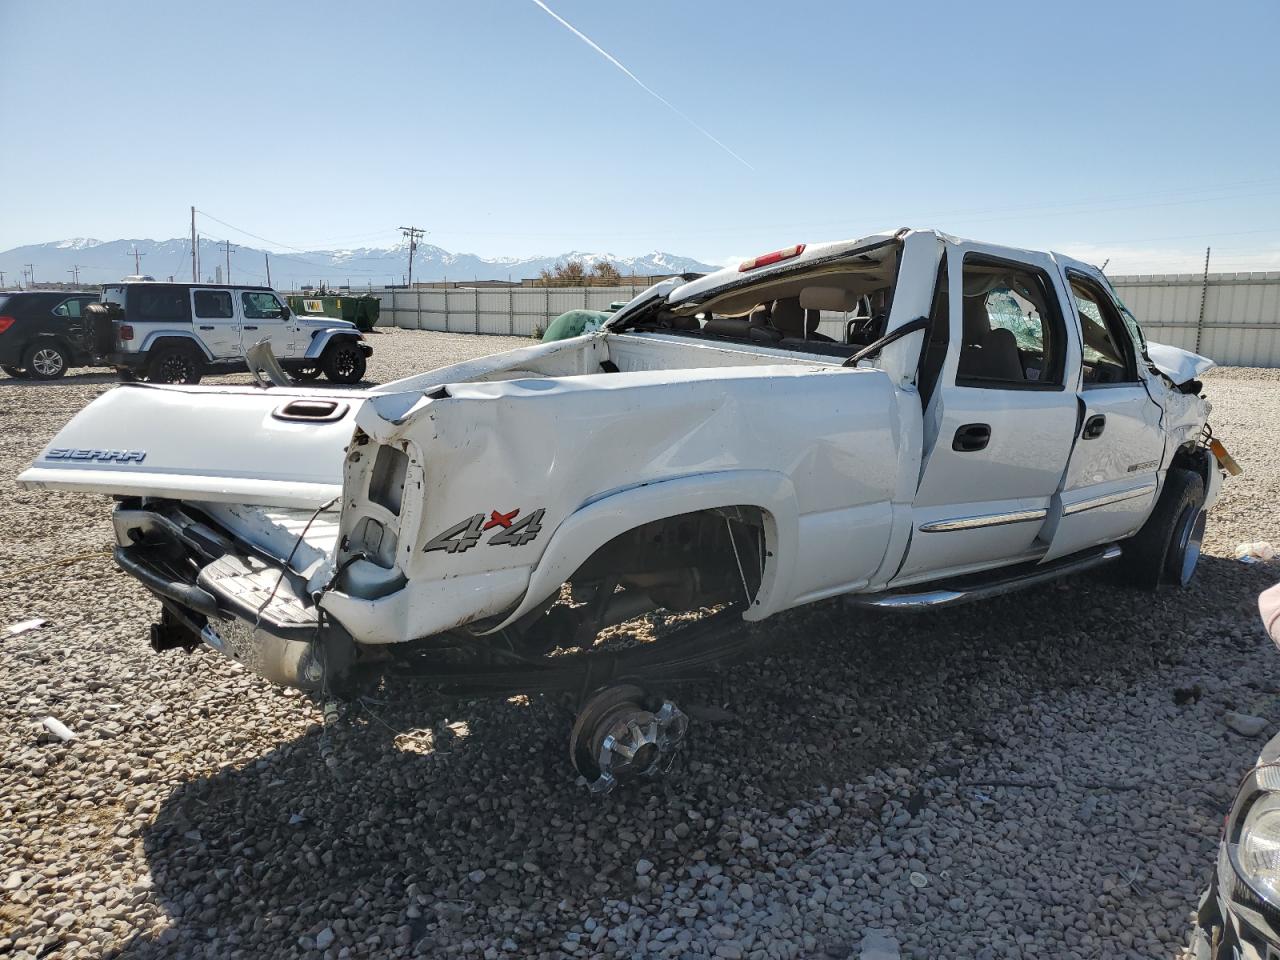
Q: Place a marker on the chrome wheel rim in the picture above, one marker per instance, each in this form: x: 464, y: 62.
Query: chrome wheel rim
x: 47, y: 362
x: 1190, y: 541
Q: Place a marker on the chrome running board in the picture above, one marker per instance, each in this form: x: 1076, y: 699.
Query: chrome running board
x: 982, y: 586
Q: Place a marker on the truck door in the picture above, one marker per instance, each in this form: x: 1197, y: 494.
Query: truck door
x: 216, y: 322
x: 1113, y: 475
x: 265, y: 319
x: 1000, y: 421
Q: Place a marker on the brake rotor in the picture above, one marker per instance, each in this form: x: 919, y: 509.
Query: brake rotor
x: 617, y: 737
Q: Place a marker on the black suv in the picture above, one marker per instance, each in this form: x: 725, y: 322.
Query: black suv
x: 42, y: 333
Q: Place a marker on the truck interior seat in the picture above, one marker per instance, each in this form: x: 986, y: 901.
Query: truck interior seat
x: 990, y: 354
x: 746, y: 327
x: 794, y: 322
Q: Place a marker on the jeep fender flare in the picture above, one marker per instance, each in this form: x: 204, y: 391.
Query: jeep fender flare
x: 168, y: 338
x: 593, y: 525
x: 321, y: 340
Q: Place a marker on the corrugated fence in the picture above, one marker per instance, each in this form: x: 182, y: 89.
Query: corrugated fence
x: 512, y: 310
x: 1232, y: 317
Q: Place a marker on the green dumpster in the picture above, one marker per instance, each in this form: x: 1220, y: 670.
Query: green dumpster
x: 360, y: 309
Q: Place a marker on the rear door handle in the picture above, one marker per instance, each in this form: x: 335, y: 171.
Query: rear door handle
x: 1094, y: 426
x: 203, y: 327
x: 972, y: 437
x: 247, y: 327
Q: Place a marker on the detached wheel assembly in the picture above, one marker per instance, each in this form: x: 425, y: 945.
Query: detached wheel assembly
x: 623, y: 734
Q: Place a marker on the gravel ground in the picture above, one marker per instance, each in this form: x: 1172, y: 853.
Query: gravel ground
x: 1050, y: 783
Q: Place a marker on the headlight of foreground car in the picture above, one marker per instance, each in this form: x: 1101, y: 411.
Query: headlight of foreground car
x: 1258, y: 847
x: 1249, y: 859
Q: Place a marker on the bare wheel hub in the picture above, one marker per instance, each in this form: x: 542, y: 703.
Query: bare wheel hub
x: 621, y: 734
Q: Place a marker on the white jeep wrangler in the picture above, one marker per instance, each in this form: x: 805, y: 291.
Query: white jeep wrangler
x: 979, y: 419
x: 177, y: 332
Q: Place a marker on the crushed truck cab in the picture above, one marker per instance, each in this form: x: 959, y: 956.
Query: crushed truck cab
x: 906, y: 420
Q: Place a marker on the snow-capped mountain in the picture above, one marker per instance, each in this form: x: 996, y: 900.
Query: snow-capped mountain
x: 101, y: 261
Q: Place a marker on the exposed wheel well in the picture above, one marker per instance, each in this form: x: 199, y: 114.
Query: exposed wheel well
x: 685, y: 562
x: 1192, y: 456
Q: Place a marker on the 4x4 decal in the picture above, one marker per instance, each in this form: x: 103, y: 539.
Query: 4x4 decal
x: 461, y: 537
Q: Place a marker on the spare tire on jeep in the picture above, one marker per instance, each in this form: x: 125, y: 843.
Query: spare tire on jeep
x: 343, y: 361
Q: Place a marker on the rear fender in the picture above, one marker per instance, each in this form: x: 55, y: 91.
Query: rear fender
x: 164, y: 338
x: 588, y: 529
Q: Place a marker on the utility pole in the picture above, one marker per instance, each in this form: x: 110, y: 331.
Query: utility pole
x: 267, y: 257
x: 226, y: 246
x: 31, y: 273
x: 137, y: 267
x: 75, y: 273
x: 195, y: 245
x: 414, y: 234
x: 1, y: 279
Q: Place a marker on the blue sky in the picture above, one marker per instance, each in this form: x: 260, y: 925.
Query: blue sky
x: 1142, y: 132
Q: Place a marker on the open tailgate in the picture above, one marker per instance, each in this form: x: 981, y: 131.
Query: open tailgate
x: 221, y: 444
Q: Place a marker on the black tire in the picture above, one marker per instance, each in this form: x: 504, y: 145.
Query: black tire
x: 16, y: 372
x: 1166, y: 550
x: 45, y: 360
x: 306, y: 373
x: 126, y: 375
x: 343, y: 362
x: 174, y: 364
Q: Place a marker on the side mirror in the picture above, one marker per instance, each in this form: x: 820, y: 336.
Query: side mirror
x: 285, y: 313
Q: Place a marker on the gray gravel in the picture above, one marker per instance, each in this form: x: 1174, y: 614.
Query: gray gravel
x: 1041, y: 775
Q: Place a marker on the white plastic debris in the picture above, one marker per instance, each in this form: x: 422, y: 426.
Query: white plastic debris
x: 58, y: 729
x: 918, y: 880
x: 1256, y: 551
x: 26, y: 625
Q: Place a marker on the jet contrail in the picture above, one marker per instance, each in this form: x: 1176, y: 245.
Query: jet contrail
x: 640, y: 83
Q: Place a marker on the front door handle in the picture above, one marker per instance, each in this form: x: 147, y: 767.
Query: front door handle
x: 247, y: 327
x: 204, y: 327
x: 972, y: 437
x: 1094, y: 426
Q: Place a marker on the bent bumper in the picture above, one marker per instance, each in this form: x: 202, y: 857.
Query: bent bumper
x: 289, y: 663
x: 250, y: 609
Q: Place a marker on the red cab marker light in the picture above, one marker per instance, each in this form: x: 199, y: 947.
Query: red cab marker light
x: 767, y: 258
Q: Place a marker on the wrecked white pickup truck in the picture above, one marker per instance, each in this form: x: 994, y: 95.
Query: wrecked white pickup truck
x: 977, y: 419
